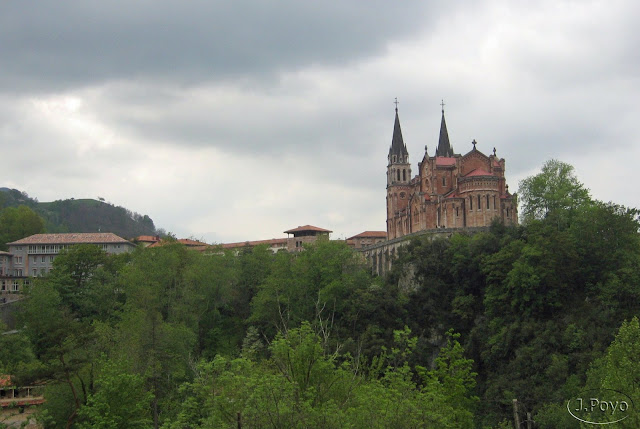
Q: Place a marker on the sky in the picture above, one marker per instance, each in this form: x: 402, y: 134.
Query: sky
x: 234, y: 121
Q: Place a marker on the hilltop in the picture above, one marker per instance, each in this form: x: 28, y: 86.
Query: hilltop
x: 81, y: 215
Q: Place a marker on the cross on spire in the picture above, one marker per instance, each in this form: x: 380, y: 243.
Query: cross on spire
x: 442, y: 105
x: 396, y: 103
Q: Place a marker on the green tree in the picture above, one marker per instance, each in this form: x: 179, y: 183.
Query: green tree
x: 61, y: 342
x: 554, y: 191
x: 18, y: 222
x: 618, y: 369
x: 119, y: 402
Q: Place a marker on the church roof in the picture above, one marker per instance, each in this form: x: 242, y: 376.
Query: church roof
x: 478, y: 172
x: 445, y: 160
x: 444, y: 146
x: 397, y: 143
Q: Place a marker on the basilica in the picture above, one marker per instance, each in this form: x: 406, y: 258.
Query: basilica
x: 450, y: 190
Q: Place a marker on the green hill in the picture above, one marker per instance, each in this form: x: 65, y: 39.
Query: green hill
x: 82, y: 215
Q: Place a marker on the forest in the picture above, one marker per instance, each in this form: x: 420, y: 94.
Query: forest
x: 21, y: 216
x: 172, y: 338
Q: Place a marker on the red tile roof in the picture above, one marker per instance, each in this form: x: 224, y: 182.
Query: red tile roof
x: 72, y: 238
x: 147, y: 238
x: 306, y: 228
x: 478, y: 172
x: 370, y: 234
x: 445, y: 160
x: 5, y: 380
x: 272, y: 242
x: 186, y: 241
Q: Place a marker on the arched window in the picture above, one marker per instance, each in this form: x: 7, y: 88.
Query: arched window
x: 404, y: 175
x: 487, y: 201
x: 479, y: 207
x: 398, y: 175
x: 494, y: 202
x: 471, y: 202
x: 457, y: 212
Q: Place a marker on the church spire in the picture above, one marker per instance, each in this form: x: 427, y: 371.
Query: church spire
x: 398, y: 147
x: 444, y: 146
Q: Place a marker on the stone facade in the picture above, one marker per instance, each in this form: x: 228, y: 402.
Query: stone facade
x: 450, y: 191
x: 33, y: 256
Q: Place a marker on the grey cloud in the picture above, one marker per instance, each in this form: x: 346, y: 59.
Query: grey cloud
x: 54, y: 46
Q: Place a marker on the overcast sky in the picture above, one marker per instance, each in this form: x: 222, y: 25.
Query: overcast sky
x: 233, y: 121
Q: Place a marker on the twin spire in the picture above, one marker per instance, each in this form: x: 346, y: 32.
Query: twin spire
x: 400, y: 149
x: 444, y: 146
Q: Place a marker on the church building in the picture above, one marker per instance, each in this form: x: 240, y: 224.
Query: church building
x: 450, y: 190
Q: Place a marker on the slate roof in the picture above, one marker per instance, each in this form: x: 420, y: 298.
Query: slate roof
x: 444, y: 146
x: 397, y: 143
x: 72, y: 238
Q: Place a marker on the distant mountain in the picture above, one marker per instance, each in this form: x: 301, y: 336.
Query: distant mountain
x: 83, y: 215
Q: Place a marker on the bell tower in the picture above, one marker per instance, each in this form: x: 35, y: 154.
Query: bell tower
x: 398, y: 179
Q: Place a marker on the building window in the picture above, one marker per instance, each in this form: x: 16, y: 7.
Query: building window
x: 18, y: 259
x: 494, y: 202
x: 479, y: 207
x: 51, y: 258
x: 398, y: 175
x: 3, y: 285
x: 487, y: 201
x: 404, y: 175
x: 35, y: 272
x: 394, y: 158
x: 457, y: 212
x: 18, y: 273
x: 16, y: 286
x: 470, y: 202
x: 43, y: 259
x: 444, y: 181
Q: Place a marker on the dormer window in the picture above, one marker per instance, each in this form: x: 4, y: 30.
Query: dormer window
x: 394, y: 158
x: 444, y: 181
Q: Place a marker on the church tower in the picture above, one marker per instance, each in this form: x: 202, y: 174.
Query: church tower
x: 398, y: 180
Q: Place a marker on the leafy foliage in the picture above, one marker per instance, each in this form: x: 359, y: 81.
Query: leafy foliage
x: 313, y: 340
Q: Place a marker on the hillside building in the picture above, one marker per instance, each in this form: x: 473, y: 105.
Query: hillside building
x: 34, y: 255
x: 301, y: 235
x: 450, y: 190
